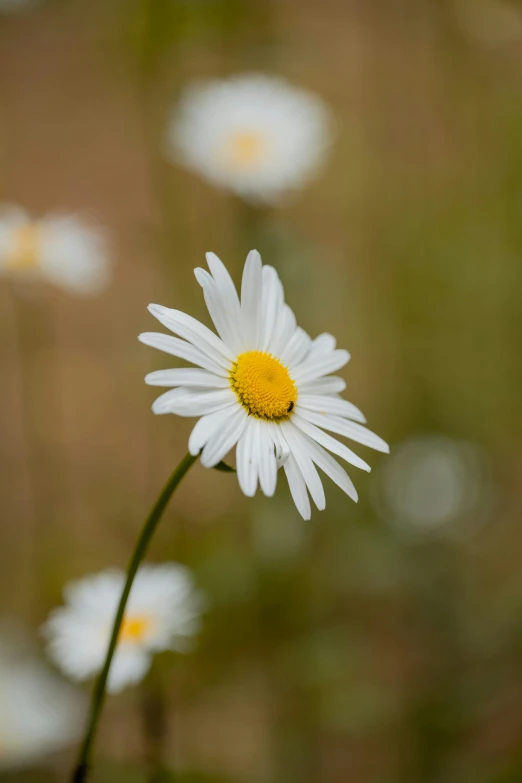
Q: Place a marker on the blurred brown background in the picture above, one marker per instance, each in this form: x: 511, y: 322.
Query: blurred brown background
x: 341, y: 649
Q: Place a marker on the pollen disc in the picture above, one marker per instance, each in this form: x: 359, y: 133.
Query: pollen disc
x: 263, y: 385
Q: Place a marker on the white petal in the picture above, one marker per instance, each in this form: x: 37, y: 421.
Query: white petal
x: 226, y: 325
x: 225, y: 283
x: 330, y: 443
x: 305, y: 465
x: 165, y: 401
x: 186, y: 376
x: 296, y: 349
x: 282, y: 450
x: 195, y: 332
x: 272, y: 300
x: 129, y: 666
x: 181, y: 349
x: 327, y: 463
x: 183, y: 402
x: 251, y: 288
x: 246, y: 469
x: 324, y: 343
x: 224, y: 438
x: 253, y: 426
x: 330, y: 385
x: 316, y: 366
x: 228, y: 295
x: 267, y: 461
x: 285, y: 328
x: 333, y: 405
x: 297, y: 487
x: 205, y: 428
x: 349, y: 429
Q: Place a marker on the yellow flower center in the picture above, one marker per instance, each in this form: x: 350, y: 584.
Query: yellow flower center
x: 245, y: 148
x: 263, y: 385
x: 23, y: 250
x: 134, y: 629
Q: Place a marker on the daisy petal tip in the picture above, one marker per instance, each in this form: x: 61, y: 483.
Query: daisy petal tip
x: 156, y: 310
x: 382, y: 446
x: 147, y: 338
x: 212, y: 258
x: 253, y: 263
x: 199, y: 274
x: 270, y: 493
x: 209, y: 463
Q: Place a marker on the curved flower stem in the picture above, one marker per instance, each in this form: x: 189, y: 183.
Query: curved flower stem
x: 82, y: 767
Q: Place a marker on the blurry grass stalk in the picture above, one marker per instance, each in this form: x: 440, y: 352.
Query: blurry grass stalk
x: 154, y: 716
x: 39, y: 394
x: 81, y: 770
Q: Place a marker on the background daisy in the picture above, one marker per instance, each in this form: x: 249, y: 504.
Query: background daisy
x: 163, y: 613
x: 435, y: 486
x: 264, y: 385
x: 39, y: 713
x: 256, y: 135
x: 62, y: 249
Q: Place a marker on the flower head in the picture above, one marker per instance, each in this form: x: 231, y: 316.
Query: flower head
x: 59, y: 248
x: 38, y: 712
x: 263, y: 385
x: 162, y: 614
x: 256, y: 135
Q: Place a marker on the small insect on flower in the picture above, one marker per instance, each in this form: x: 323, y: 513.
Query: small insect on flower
x: 263, y: 385
x: 163, y: 613
x: 253, y: 134
x: 62, y: 249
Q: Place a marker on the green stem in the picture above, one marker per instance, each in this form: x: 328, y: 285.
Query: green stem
x: 81, y: 770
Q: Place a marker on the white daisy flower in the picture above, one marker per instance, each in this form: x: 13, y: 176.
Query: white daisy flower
x: 255, y: 135
x: 263, y: 385
x: 39, y: 713
x: 59, y: 248
x: 163, y: 612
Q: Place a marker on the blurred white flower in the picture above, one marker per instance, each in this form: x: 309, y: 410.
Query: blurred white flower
x: 62, y: 249
x: 39, y: 713
x: 256, y: 135
x: 162, y: 613
x: 263, y: 385
x: 434, y: 485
